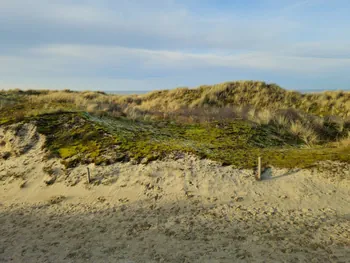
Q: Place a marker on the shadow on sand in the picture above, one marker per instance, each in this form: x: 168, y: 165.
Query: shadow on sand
x: 182, y: 231
x: 267, y: 174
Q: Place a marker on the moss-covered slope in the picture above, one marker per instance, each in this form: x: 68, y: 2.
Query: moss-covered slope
x: 81, y: 138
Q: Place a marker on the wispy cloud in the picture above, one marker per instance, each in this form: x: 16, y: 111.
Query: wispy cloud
x: 75, y: 57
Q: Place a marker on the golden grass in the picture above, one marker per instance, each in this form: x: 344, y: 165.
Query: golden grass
x: 259, y: 95
x: 311, y: 117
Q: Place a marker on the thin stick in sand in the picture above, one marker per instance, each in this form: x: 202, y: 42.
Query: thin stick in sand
x: 258, y: 175
x: 88, y: 175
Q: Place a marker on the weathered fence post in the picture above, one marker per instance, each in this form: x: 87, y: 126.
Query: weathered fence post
x: 88, y: 175
x: 258, y: 176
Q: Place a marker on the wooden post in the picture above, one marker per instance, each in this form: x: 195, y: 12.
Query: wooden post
x: 88, y: 175
x: 258, y: 172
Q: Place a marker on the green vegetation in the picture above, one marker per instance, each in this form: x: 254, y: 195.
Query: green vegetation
x: 232, y: 123
x: 74, y: 138
x: 81, y: 138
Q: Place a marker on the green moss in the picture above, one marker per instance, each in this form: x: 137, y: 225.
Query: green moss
x: 73, y: 136
x: 305, y: 157
x: 237, y: 143
x: 67, y: 152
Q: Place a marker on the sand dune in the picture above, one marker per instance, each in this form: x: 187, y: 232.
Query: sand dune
x: 185, y: 210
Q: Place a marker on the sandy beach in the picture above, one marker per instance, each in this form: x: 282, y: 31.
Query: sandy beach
x: 185, y: 210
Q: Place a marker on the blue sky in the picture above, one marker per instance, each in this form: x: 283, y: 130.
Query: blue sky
x: 161, y: 44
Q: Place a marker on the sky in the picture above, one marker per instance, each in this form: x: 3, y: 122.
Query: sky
x: 137, y: 45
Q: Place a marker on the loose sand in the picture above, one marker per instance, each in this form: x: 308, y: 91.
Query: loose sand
x: 184, y: 210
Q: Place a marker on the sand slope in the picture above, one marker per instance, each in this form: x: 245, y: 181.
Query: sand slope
x: 184, y: 210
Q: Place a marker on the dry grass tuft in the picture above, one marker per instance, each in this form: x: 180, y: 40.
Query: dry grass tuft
x: 307, y: 134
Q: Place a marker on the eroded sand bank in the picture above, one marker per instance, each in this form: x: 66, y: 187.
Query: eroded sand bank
x: 184, y: 210
x: 177, y: 211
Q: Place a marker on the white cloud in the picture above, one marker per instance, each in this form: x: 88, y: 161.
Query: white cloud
x: 63, y: 59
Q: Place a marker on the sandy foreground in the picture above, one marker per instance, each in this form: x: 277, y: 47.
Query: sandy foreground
x: 184, y: 210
